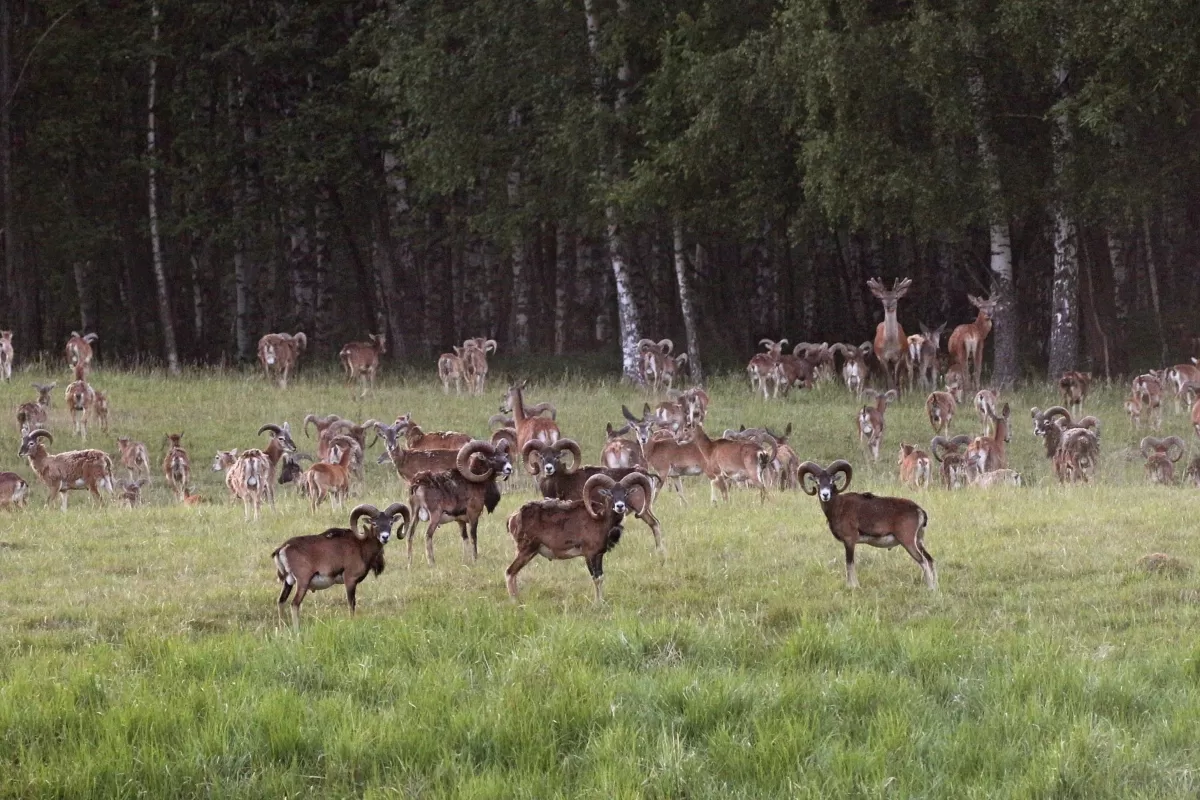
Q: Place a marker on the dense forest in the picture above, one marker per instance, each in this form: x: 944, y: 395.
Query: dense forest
x: 566, y: 176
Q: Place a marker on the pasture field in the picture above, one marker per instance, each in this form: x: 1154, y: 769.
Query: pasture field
x: 140, y: 652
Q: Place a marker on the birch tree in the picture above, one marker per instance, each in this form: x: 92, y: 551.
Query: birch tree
x: 160, y: 275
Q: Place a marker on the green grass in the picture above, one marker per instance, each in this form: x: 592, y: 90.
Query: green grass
x: 140, y: 652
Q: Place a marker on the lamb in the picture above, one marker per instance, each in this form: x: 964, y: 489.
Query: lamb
x: 877, y: 521
x: 562, y: 529
x: 997, y: 477
x: 100, y: 410
x: 177, y: 466
x: 31, y: 415
x: 452, y: 368
x: 62, y: 472
x: 558, y: 480
x: 14, y: 491
x: 131, y: 491
x: 134, y: 457
x: 1074, y: 386
x: 989, y: 453
x: 854, y: 369
x: 339, y: 555
x: 460, y: 494
x: 985, y: 404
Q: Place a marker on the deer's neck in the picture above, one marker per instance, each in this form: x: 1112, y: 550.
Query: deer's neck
x: 891, y: 328
x: 518, y: 406
x: 983, y: 324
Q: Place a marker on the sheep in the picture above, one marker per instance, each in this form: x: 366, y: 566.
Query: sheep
x: 1161, y: 455
x: 362, y: 359
x: 100, y: 410
x: 854, y: 368
x: 451, y: 367
x: 618, y: 451
x: 79, y: 349
x: 134, y: 457
x: 916, y: 467
x: 177, y: 466
x: 951, y: 454
x: 1053, y: 422
x: 322, y: 424
x: 410, y: 462
x: 1074, y: 386
x: 460, y: 494
x: 877, y: 521
x: 985, y: 405
x: 998, y: 477
x: 989, y: 453
x: 940, y: 407
x: 279, y: 353
x: 528, y: 426
x: 339, y: 555
x: 331, y: 478
x: 870, y: 420
x: 14, y: 491
x: 131, y: 491
x: 728, y: 460
x: 6, y: 355
x: 247, y: 477
x: 62, y: 472
x: 418, y: 439
x: 562, y: 529
x: 1193, y: 472
x: 80, y: 399
x: 762, y: 366
x: 474, y: 358
x: 280, y: 444
x: 1077, y: 456
x: 31, y: 415
x: 558, y: 480
x: 1148, y: 390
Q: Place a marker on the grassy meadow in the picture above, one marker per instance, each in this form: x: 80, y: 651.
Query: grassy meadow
x: 141, y: 654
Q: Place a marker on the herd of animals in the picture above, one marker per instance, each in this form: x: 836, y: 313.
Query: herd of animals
x: 454, y: 477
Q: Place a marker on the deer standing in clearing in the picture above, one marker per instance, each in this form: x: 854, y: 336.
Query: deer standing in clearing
x: 966, y: 341
x: 891, y: 345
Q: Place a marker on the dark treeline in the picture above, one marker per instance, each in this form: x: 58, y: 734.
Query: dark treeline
x: 182, y: 176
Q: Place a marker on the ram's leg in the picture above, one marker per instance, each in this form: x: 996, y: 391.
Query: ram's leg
x: 595, y: 565
x: 651, y: 521
x: 474, y: 538
x: 918, y: 554
x: 434, y: 520
x: 510, y: 574
x: 301, y: 590
x: 352, y: 594
x: 851, y: 575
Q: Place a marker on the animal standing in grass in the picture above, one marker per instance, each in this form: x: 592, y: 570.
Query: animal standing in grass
x: 855, y: 517
x: 278, y: 353
x: 339, y: 555
x: 79, y: 349
x: 361, y: 360
x: 177, y: 466
x: 591, y: 527
x: 6, y: 354
x: 67, y: 471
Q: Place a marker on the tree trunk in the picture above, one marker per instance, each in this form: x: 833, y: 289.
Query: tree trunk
x: 385, y: 278
x: 627, y: 309
x: 1152, y: 279
x: 1064, y: 300
x: 198, y: 302
x: 87, y: 305
x: 1004, y: 320
x: 322, y: 266
x: 301, y: 285
x: 9, y: 233
x: 687, y: 305
x: 562, y: 286
x: 160, y: 275
x: 521, y: 283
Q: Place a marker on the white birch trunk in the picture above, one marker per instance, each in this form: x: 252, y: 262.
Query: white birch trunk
x: 1005, y: 319
x: 627, y: 310
x: 197, y: 300
x: 1064, y: 298
x: 1120, y: 277
x: 687, y: 306
x: 160, y: 275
